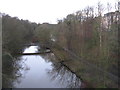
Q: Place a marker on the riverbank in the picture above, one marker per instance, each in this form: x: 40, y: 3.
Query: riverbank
x: 27, y: 71
x: 90, y: 75
x: 88, y: 72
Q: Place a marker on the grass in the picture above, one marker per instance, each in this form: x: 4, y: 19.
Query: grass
x: 83, y: 70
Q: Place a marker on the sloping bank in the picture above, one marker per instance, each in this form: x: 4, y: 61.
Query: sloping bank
x: 88, y: 72
x: 7, y: 62
x: 10, y: 69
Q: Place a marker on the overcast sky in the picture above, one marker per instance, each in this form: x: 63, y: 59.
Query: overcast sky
x: 45, y: 10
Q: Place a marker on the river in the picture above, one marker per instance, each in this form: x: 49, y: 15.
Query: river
x: 43, y: 71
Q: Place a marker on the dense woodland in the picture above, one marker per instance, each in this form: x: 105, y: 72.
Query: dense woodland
x: 15, y: 34
x: 88, y: 33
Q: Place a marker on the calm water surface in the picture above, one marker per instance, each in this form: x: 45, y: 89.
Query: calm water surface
x: 41, y: 71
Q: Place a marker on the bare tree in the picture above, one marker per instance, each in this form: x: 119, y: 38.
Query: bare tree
x: 100, y: 12
x: 109, y: 7
x: 117, y: 6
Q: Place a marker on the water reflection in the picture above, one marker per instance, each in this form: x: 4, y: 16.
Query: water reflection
x: 37, y: 76
x: 64, y: 76
x: 61, y: 73
x: 31, y: 49
x: 38, y: 71
x: 11, y: 70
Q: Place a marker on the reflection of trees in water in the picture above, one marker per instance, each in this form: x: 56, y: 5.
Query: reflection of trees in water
x: 11, y: 71
x: 61, y: 73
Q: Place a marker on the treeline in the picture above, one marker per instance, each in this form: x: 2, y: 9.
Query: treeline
x: 89, y: 34
x: 93, y: 37
x: 45, y: 33
x: 16, y: 33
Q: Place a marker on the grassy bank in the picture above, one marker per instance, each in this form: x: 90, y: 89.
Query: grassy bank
x: 86, y: 70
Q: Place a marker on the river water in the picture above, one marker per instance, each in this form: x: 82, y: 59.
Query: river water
x: 43, y: 71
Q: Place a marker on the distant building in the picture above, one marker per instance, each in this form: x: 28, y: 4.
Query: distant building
x: 110, y: 18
